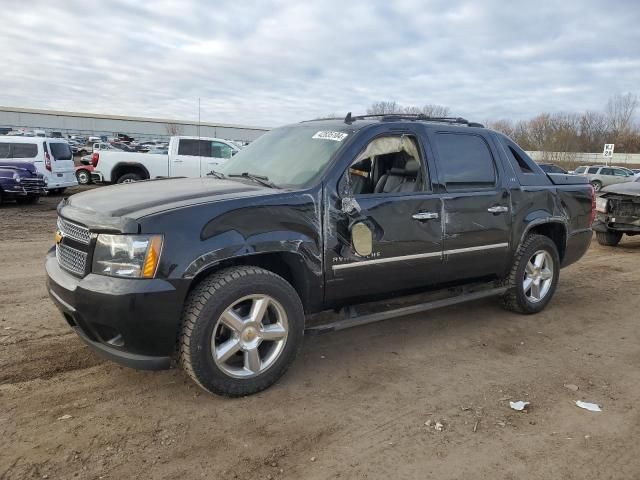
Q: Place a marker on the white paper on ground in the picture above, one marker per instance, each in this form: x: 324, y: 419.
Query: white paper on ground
x: 593, y: 407
x: 519, y: 405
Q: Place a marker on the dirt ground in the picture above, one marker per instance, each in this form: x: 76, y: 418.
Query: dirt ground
x: 354, y: 405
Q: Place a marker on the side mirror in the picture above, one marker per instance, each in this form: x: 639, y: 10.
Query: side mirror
x: 362, y: 239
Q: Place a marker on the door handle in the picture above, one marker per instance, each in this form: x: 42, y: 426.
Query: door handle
x: 425, y: 216
x: 498, y: 209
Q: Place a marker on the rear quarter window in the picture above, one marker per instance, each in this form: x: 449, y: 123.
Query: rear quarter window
x: 464, y: 161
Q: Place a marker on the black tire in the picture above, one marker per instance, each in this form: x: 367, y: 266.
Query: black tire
x: 597, y: 185
x: 27, y: 200
x: 609, y: 238
x: 129, y: 178
x: 515, y: 298
x: 204, y: 306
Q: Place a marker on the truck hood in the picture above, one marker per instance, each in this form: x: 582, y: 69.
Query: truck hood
x: 627, y: 188
x: 117, y: 206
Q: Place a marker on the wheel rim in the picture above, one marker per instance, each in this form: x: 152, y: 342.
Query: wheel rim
x: 249, y: 336
x: 538, y: 276
x: 597, y: 186
x: 83, y: 178
x: 128, y: 180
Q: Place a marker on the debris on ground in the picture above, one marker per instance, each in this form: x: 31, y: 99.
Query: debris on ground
x: 592, y: 407
x: 439, y: 426
x: 65, y: 417
x: 519, y: 406
x: 571, y: 386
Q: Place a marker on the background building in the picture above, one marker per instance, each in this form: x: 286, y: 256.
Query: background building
x: 69, y: 123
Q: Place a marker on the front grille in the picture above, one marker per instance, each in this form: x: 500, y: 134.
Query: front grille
x: 72, y: 230
x: 624, y: 208
x: 32, y: 185
x: 71, y: 259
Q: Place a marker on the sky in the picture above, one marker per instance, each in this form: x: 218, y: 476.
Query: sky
x: 273, y: 62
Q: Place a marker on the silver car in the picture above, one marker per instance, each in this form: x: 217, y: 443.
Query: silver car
x: 601, y: 176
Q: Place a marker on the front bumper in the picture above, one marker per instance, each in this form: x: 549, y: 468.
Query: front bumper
x: 605, y: 223
x: 133, y: 322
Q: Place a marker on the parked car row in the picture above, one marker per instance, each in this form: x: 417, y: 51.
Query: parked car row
x: 602, y: 175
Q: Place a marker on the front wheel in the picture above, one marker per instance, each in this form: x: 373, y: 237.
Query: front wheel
x: 609, y: 238
x: 241, y: 329
x: 27, y: 200
x: 534, y: 275
x: 597, y: 185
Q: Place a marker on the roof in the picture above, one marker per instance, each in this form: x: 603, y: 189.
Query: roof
x: 58, y: 113
x: 29, y: 139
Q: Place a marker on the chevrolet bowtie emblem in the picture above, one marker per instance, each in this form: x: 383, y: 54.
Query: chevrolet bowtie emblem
x: 58, y: 237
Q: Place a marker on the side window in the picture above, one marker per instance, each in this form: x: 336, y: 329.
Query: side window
x: 465, y: 161
x: 593, y: 170
x: 606, y: 171
x: 4, y: 150
x: 388, y: 164
x: 220, y: 150
x: 580, y: 169
x: 23, y: 150
x: 194, y: 148
x: 620, y: 173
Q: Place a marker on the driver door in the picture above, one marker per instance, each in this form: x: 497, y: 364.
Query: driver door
x: 404, y: 218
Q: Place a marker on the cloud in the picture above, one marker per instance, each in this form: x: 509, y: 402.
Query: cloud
x: 278, y: 61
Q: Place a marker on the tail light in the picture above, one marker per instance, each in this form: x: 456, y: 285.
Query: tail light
x: 592, y: 217
x: 47, y: 161
x: 96, y: 157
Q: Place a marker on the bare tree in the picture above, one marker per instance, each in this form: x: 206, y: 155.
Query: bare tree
x: 382, y: 108
x: 173, y: 129
x: 431, y: 110
x: 619, y: 111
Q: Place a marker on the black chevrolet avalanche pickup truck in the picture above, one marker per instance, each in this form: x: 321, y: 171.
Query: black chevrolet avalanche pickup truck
x: 223, y: 275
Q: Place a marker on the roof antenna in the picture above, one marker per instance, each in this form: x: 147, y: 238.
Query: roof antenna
x: 348, y: 120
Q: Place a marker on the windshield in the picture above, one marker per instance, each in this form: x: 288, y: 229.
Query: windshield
x: 288, y: 156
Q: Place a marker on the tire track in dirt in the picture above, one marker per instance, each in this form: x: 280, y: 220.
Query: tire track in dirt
x: 45, y: 358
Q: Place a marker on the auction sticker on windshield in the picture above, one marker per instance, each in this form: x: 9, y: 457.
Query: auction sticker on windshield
x: 335, y: 136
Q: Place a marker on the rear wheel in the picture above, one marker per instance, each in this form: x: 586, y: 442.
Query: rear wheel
x: 534, y: 275
x: 129, y: 178
x: 609, y: 238
x: 241, y: 329
x: 83, y: 176
x: 597, y: 185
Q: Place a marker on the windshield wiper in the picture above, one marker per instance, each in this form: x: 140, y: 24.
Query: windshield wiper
x: 261, y: 179
x: 219, y: 175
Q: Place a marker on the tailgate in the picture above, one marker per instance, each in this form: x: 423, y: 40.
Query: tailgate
x: 564, y: 179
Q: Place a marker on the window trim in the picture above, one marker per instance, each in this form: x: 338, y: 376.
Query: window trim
x: 439, y: 165
x: 427, y: 186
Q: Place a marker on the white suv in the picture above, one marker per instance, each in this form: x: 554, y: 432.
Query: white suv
x: 602, y: 176
x: 51, y: 156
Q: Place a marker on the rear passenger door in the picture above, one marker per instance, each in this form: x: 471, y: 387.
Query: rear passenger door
x: 476, y: 205
x: 219, y: 154
x: 190, y: 158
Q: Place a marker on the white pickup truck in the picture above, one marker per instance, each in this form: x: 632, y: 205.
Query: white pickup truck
x: 188, y: 157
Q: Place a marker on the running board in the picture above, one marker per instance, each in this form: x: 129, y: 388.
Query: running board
x: 398, y: 312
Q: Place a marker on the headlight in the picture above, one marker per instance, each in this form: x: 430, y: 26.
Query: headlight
x: 16, y: 177
x: 132, y: 256
x: 601, y: 204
